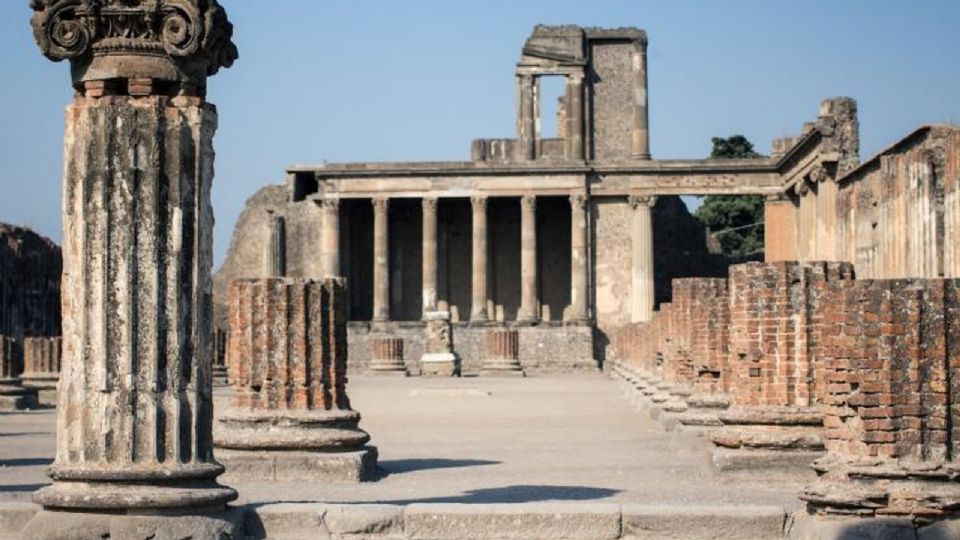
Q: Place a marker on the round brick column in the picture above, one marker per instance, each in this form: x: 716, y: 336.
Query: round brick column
x: 502, y: 352
x: 386, y: 355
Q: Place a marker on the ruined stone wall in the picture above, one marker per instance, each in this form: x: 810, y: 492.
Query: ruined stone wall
x: 30, y: 268
x: 610, y: 91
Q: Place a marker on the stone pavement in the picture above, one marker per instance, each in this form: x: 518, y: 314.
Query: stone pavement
x: 479, y: 441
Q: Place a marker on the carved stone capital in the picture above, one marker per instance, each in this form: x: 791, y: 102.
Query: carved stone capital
x: 578, y: 201
x: 429, y: 204
x: 818, y: 174
x: 637, y: 201
x: 173, y: 41
x: 479, y: 203
x: 380, y: 204
x: 528, y: 203
x: 330, y: 204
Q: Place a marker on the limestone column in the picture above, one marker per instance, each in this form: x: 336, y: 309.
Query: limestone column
x: 574, y: 116
x: 526, y: 118
x: 529, y: 302
x: 290, y: 418
x: 429, y: 273
x: 642, y: 284
x: 277, y: 247
x: 330, y: 238
x: 579, y: 275
x: 478, y: 312
x: 381, y: 260
x: 641, y: 121
x: 135, y: 410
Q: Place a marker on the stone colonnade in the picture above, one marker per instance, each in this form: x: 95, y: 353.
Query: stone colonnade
x: 529, y: 311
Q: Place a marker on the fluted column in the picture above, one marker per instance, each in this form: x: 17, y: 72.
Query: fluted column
x: 429, y: 273
x: 529, y: 301
x: 381, y: 260
x: 386, y: 355
x: 290, y: 417
x: 277, y: 247
x: 579, y: 276
x: 526, y: 118
x: 135, y: 410
x: 642, y: 289
x: 641, y: 117
x: 330, y: 238
x: 574, y: 116
x: 478, y: 311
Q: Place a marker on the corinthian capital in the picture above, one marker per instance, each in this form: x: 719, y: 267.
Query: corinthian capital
x: 173, y: 41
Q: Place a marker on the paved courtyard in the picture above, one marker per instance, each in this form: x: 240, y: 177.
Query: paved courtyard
x: 481, y: 440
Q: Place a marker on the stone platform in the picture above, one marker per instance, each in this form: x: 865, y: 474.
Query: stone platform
x: 456, y: 449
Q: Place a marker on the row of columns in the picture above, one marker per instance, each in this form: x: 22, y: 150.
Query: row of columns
x: 529, y: 308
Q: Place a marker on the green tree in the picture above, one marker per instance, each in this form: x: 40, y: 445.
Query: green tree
x: 735, y: 220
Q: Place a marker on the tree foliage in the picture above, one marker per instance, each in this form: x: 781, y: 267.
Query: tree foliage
x: 735, y: 220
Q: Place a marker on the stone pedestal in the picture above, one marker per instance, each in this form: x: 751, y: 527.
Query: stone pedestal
x: 41, y: 368
x: 768, y: 436
x: 13, y: 396
x: 439, y: 359
x: 386, y: 356
x: 501, y: 353
x: 134, y: 454
x: 290, y: 417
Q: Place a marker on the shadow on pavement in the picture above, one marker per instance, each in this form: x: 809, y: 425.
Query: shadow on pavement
x: 21, y: 488
x: 394, y: 466
x: 25, y: 462
x: 516, y: 494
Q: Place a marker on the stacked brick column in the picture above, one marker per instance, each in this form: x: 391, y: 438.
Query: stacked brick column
x: 891, y: 355
x: 386, y: 355
x: 290, y: 417
x: 501, y: 354
x: 41, y: 367
x: 775, y: 326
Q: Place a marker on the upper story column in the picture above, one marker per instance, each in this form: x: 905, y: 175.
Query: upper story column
x: 526, y: 117
x: 277, y: 247
x: 641, y: 118
x: 330, y: 237
x: 429, y: 274
x: 579, y: 280
x: 574, y: 99
x: 642, y: 289
x: 135, y: 407
x: 529, y: 301
x: 381, y: 260
x: 478, y: 311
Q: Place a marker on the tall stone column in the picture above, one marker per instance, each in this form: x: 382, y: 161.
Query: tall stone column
x: 135, y: 411
x: 478, y: 312
x: 526, y: 118
x: 642, y: 284
x: 330, y: 237
x: 574, y: 116
x: 381, y: 260
x: 277, y: 247
x: 529, y: 302
x: 579, y: 277
x: 641, y: 117
x: 290, y: 418
x: 429, y: 274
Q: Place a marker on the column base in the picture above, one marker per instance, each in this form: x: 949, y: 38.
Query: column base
x: 439, y: 365
x: 310, y: 431
x: 336, y: 467
x: 65, y: 525
x: 396, y: 369
x: 17, y: 398
x: 502, y: 368
x: 529, y: 321
x: 757, y: 437
x: 45, y: 386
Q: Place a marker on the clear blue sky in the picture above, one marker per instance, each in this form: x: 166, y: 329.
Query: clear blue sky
x: 343, y: 80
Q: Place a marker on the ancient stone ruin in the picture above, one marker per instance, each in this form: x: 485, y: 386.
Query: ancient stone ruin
x: 135, y: 412
x: 290, y: 417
